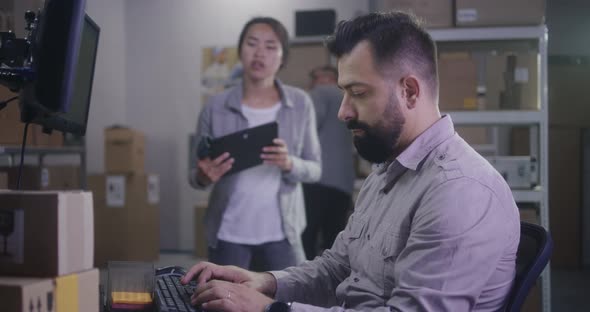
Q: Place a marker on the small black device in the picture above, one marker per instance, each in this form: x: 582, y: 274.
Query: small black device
x: 315, y: 23
x: 278, y: 306
x: 171, y: 295
x: 245, y: 146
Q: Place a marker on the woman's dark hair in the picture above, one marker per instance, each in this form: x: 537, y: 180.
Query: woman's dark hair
x: 278, y: 29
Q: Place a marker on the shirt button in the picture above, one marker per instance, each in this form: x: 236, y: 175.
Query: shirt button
x: 369, y: 236
x: 356, y: 279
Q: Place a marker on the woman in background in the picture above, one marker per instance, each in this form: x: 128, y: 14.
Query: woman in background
x: 258, y: 214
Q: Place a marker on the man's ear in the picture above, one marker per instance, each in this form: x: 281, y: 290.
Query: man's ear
x: 410, y: 90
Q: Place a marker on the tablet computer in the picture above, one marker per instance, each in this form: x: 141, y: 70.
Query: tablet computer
x: 245, y: 146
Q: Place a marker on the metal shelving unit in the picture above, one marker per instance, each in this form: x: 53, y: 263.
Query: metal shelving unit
x: 13, y: 152
x: 536, y: 120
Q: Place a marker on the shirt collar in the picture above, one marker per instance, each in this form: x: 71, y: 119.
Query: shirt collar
x: 414, y: 155
x: 234, y: 101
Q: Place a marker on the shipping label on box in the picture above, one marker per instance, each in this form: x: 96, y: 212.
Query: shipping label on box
x: 12, y: 230
x: 27, y: 294
x: 115, y: 191
x: 153, y: 189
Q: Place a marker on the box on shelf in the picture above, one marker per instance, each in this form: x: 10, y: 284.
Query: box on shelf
x: 436, y: 13
x: 50, y: 233
x: 499, y: 12
x: 12, y: 132
x: 124, y: 150
x: 520, y: 172
x: 458, y: 81
x: 56, y: 178
x: 75, y: 292
x: 474, y: 135
x: 201, y: 247
x: 126, y: 217
x: 520, y: 141
x: 55, y: 139
x: 512, y: 81
x: 529, y: 215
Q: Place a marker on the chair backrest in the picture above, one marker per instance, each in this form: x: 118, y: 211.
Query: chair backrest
x: 534, y: 251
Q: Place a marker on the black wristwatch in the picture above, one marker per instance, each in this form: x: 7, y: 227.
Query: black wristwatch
x: 278, y: 306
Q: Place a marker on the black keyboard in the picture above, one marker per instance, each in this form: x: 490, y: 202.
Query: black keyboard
x: 171, y: 295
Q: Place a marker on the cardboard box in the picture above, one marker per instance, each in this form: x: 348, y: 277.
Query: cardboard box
x: 474, y: 135
x: 56, y: 178
x: 75, y: 293
x: 528, y: 215
x: 126, y: 217
x: 458, y: 82
x: 565, y: 196
x: 124, y: 150
x: 520, y: 141
x: 201, y: 246
x: 12, y: 132
x: 51, y: 233
x: 27, y: 294
x: 3, y: 180
x: 499, y: 12
x: 55, y: 139
x: 512, y: 81
x: 435, y: 13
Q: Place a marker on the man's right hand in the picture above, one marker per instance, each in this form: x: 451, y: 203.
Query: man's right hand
x: 206, y: 271
x: 210, y: 171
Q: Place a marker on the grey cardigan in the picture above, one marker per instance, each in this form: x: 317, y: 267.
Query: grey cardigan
x: 297, y: 126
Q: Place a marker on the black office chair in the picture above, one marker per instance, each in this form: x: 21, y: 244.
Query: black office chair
x: 534, y: 251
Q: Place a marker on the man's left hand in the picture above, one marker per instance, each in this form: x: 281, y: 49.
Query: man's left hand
x: 218, y: 295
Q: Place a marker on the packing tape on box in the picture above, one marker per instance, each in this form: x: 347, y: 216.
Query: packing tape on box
x: 66, y: 293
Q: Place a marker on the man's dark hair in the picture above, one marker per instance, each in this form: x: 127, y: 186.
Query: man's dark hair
x: 396, y: 38
x: 278, y: 28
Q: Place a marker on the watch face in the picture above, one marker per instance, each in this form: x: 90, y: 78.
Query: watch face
x: 278, y: 306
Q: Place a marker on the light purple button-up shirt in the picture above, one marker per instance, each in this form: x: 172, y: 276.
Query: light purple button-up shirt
x: 436, y: 230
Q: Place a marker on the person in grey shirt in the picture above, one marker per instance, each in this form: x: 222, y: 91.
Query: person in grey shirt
x: 328, y: 201
x: 435, y: 227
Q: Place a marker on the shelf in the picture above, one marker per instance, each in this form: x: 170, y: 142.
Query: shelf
x: 488, y: 33
x: 463, y: 34
x: 37, y: 150
x: 507, y: 117
x: 528, y: 196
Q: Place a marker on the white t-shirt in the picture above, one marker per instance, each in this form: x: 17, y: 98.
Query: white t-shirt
x: 253, y: 216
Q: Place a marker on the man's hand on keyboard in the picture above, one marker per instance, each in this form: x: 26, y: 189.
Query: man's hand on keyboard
x: 206, y: 271
x: 225, y: 296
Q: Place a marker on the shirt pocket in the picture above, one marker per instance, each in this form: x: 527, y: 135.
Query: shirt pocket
x: 390, y: 248
x: 355, y: 229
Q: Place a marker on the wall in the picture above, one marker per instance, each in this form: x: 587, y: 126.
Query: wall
x: 164, y: 45
x: 108, y: 100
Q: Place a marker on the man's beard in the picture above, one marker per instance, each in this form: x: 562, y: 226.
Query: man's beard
x: 378, y: 143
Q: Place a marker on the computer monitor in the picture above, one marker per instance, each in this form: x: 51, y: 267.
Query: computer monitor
x: 63, y: 58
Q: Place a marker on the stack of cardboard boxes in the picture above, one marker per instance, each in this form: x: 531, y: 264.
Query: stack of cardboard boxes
x: 12, y: 129
x: 126, y: 201
x: 46, y: 255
